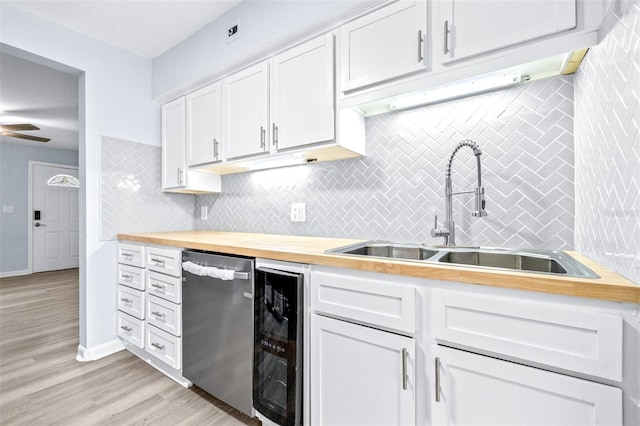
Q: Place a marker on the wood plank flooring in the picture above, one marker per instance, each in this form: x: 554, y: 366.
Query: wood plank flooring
x: 41, y: 383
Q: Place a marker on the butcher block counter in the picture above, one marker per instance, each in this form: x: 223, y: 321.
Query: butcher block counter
x: 310, y: 250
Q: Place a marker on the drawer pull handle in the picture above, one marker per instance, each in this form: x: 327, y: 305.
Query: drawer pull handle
x: 158, y: 346
x: 127, y: 301
x: 127, y: 277
x: 158, y: 286
x: 437, y: 379
x: 127, y: 255
x: 157, y: 261
x: 125, y: 328
x: 405, y: 354
x: 158, y: 314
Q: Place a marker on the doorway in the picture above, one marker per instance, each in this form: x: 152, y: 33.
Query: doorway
x: 54, y: 216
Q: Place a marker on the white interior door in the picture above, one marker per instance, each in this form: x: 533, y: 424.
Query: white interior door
x: 55, y: 243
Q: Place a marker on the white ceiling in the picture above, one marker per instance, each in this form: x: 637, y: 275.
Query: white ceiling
x: 145, y: 27
x: 48, y: 98
x: 42, y: 96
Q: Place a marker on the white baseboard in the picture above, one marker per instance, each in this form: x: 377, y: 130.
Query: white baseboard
x: 14, y: 273
x: 97, y: 352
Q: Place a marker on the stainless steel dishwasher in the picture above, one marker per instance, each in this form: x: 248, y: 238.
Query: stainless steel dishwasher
x: 217, y: 326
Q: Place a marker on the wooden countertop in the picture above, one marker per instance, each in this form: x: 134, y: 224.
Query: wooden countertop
x: 610, y: 286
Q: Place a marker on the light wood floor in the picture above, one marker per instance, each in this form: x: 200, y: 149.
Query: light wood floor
x: 41, y: 383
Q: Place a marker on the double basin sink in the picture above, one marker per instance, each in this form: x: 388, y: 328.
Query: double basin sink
x: 536, y: 261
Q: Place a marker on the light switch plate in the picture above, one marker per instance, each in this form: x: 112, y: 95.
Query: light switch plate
x: 8, y: 209
x: 298, y: 212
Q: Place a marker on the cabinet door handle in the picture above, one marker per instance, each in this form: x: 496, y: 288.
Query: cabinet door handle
x: 446, y: 37
x: 215, y: 148
x: 158, y: 314
x: 159, y: 287
x: 420, y: 39
x: 158, y: 346
x: 262, y: 136
x: 437, y: 379
x: 405, y: 354
x: 179, y: 176
x: 275, y: 134
x: 125, y: 328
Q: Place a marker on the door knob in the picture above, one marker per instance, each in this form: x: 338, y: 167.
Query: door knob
x: 39, y: 224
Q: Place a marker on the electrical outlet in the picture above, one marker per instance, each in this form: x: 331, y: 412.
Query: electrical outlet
x: 203, y: 212
x: 298, y: 212
x: 233, y: 31
x: 8, y: 209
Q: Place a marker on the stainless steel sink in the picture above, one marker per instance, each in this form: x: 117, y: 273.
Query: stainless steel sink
x: 387, y: 250
x: 505, y: 261
x: 541, y: 261
x: 529, y: 260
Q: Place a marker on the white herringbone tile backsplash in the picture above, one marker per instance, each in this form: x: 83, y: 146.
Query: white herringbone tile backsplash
x: 608, y: 145
x: 130, y: 196
x: 526, y: 135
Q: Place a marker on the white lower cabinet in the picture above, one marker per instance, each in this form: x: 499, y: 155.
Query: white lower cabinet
x: 164, y: 346
x: 480, y: 390
x: 131, y: 329
x: 360, y: 375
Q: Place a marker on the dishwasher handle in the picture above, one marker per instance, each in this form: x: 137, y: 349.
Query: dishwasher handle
x: 211, y: 271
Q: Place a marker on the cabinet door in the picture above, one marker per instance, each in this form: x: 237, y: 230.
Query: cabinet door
x: 302, y: 88
x: 246, y: 112
x: 173, y: 144
x: 357, y: 375
x: 382, y: 45
x: 479, y: 390
x: 204, y: 121
x: 471, y: 27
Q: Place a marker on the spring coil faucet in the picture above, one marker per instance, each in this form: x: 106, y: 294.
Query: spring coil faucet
x: 449, y: 230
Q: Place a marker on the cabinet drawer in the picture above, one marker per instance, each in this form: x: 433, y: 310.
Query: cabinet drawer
x: 164, y: 346
x: 365, y: 299
x: 164, y: 315
x: 554, y: 335
x: 164, y: 286
x: 131, y: 276
x: 131, y: 329
x: 167, y: 261
x: 131, y: 301
x: 131, y: 254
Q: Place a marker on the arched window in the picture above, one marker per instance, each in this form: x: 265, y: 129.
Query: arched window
x: 67, y: 181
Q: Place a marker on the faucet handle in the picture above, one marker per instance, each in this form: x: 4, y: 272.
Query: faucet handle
x: 437, y: 232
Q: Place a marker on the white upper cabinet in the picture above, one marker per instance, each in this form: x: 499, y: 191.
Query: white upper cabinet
x: 246, y: 111
x: 302, y: 94
x: 176, y: 177
x: 173, y: 144
x: 383, y: 45
x: 470, y: 27
x: 479, y: 390
x: 204, y: 125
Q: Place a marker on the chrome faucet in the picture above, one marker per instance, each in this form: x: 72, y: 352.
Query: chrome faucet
x: 449, y: 230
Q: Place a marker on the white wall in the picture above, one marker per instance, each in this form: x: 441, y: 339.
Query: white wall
x: 607, y: 132
x: 115, y: 100
x: 264, y: 25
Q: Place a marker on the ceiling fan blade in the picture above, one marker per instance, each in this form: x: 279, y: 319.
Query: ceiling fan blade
x: 21, y: 136
x: 25, y: 126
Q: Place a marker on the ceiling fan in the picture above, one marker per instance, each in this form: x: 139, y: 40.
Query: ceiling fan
x: 9, y: 130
